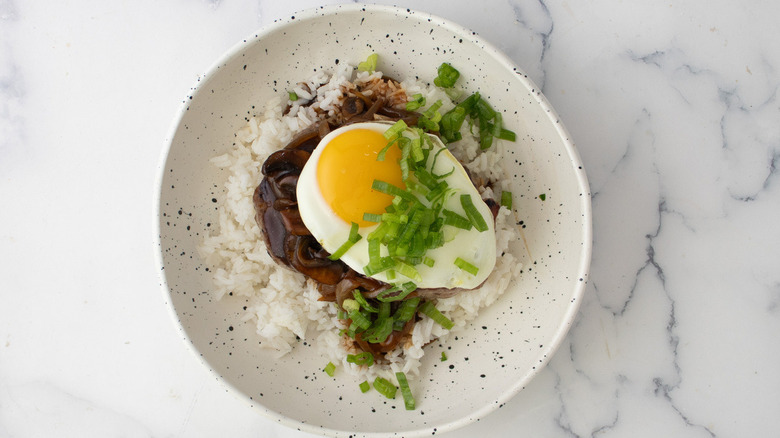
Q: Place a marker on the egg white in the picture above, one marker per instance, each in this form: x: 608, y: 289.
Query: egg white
x: 331, y: 231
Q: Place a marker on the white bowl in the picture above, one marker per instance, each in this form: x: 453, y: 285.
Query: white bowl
x: 489, y: 361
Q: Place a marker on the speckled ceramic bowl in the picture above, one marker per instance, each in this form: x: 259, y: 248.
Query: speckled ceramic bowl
x: 510, y: 341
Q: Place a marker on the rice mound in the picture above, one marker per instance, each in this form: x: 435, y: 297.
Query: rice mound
x: 283, y: 304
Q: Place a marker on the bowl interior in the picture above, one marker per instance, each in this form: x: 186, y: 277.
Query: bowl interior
x: 489, y: 361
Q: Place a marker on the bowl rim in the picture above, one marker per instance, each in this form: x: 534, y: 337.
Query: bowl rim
x: 585, y: 255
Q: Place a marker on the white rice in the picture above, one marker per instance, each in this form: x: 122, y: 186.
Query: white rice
x: 282, y: 314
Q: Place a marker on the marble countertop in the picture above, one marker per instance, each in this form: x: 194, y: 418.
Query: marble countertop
x: 673, y: 106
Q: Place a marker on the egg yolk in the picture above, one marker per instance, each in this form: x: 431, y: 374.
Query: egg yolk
x: 348, y: 167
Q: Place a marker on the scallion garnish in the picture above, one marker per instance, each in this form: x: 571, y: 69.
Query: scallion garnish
x: 466, y: 266
x: 429, y: 309
x: 429, y: 119
x: 379, y: 331
x: 364, y: 358
x: 506, y: 199
x: 418, y: 101
x: 381, y: 155
x: 506, y: 134
x: 330, y: 369
x: 387, y: 188
x: 407, y: 271
x: 353, y: 238
x: 447, y: 77
x: 395, y: 130
x: 384, y: 387
x: 365, y: 386
x: 542, y: 196
x: 443, y: 356
x: 471, y: 211
x: 416, y: 150
x: 450, y: 124
x: 456, y: 220
x: 371, y: 217
x: 292, y: 95
x: 427, y: 261
x: 362, y: 301
x: 369, y: 64
x: 433, y: 111
x: 350, y: 305
x: 359, y: 319
x: 397, y: 293
x: 382, y: 265
x: 406, y: 309
x: 406, y: 392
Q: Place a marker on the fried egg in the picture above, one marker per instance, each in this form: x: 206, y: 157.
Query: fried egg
x: 334, y: 190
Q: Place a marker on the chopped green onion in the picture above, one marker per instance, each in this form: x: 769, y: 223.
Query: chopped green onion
x: 350, y: 305
x: 452, y: 93
x: 450, y: 124
x: 359, y: 319
x: 364, y: 358
x: 371, y: 217
x: 418, y: 101
x: 381, y: 155
x: 389, y: 295
x: 379, y: 331
x: 292, y: 95
x: 506, y: 134
x: 427, y: 261
x: 407, y: 271
x: 485, y: 140
x: 373, y: 251
x: 351, y: 331
x: 405, y: 145
x: 426, y: 178
x: 433, y: 166
x: 542, y: 196
x: 469, y: 103
x: 498, y: 120
x: 362, y: 301
x: 466, y: 266
x: 395, y: 130
x: 432, y: 112
x: 432, y: 312
x: 369, y: 64
x: 447, y: 77
x: 506, y: 199
x: 435, y: 239
x: 330, y: 369
x: 427, y: 124
x: 384, y: 387
x: 439, y: 193
x: 384, y: 310
x: 406, y: 392
x: 390, y: 274
x: 471, y: 211
x: 456, y: 220
x: 365, y: 386
x: 353, y: 238
x: 390, y: 189
x: 406, y: 309
x: 416, y: 151
x: 379, y: 232
x: 484, y: 110
x: 443, y: 356
x: 382, y: 265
